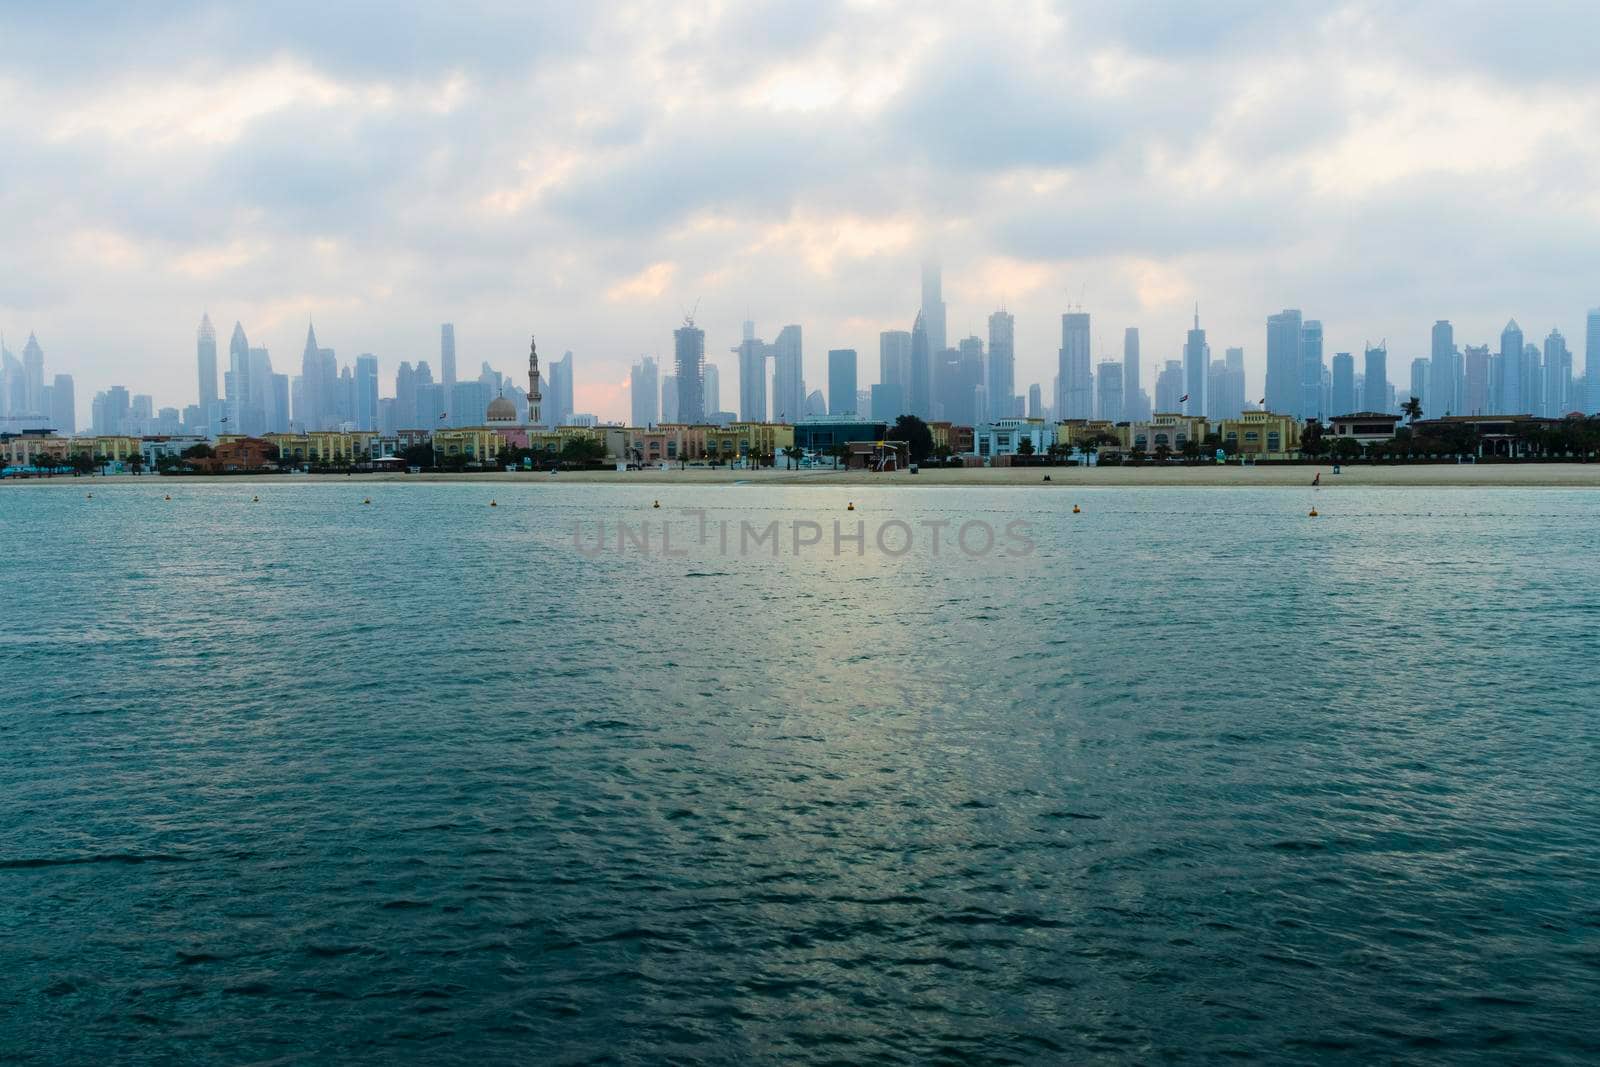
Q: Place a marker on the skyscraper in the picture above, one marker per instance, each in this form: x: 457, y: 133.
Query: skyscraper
x: 63, y: 405
x: 933, y: 312
x: 447, y: 355
x: 711, y: 389
x: 1132, y: 391
x: 1420, y: 372
x: 1169, y: 387
x: 558, y: 407
x: 788, y: 376
x: 1074, y: 383
x: 689, y: 346
x: 919, y: 400
x: 206, y: 361
x: 1035, y: 401
x: 1557, y: 376
x: 311, y: 382
x: 33, y: 376
x: 752, y: 352
x: 1196, y: 367
x: 669, y: 398
x: 1109, y: 393
x: 1283, y: 362
x: 1511, y: 397
x: 1310, y: 371
x: 1532, y: 379
x: 366, y: 407
x: 1344, y: 384
x: 894, y: 358
x: 1442, y: 370
x: 644, y: 385
x: 1591, y: 363
x: 1001, y: 383
x: 842, y: 381
x: 238, y: 379
x: 1475, y: 381
x: 1375, y: 380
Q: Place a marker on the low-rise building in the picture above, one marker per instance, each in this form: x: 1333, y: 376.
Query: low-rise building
x: 1006, y: 437
x: 1261, y: 435
x: 820, y: 433
x: 1363, y: 427
x: 474, y: 445
x: 27, y: 448
x: 1162, y: 430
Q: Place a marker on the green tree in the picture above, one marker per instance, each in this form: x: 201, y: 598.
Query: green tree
x: 838, y: 452
x: 792, y: 454
x: 1412, y: 409
x: 135, y: 461
x: 1190, y: 449
x: 1088, y: 447
x: 1025, y: 447
x: 1163, y: 452
x: 1311, y: 440
x: 915, y: 433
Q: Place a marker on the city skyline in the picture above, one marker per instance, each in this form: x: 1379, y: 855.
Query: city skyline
x: 275, y: 171
x: 1455, y: 376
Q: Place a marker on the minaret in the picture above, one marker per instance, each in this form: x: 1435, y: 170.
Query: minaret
x: 533, y: 383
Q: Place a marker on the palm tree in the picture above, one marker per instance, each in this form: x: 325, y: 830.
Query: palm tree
x: 1088, y: 447
x: 838, y: 452
x: 792, y: 454
x: 1412, y: 409
x: 1191, y: 449
x: 1163, y: 452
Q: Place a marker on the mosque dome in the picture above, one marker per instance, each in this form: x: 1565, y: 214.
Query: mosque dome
x: 502, y: 410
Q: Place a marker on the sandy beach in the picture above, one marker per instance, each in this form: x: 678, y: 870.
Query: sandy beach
x: 1467, y: 475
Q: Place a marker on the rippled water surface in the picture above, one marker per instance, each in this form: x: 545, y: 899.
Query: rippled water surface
x: 1201, y: 778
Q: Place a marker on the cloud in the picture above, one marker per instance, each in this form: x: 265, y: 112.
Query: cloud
x: 587, y: 171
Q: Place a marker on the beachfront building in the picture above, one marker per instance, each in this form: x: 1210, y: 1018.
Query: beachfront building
x: 25, y: 449
x: 1071, y: 431
x: 154, y: 448
x: 1262, y: 435
x: 822, y: 433
x: 1364, y: 427
x: 960, y: 440
x: 1162, y: 430
x: 1006, y: 437
x: 474, y: 444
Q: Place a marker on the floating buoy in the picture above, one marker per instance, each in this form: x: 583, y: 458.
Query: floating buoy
x: 88, y: 496
x: 368, y: 500
x: 1076, y: 509
x: 657, y: 504
x: 1312, y: 513
x: 168, y: 496
x: 255, y: 500
x: 492, y: 504
x: 850, y: 506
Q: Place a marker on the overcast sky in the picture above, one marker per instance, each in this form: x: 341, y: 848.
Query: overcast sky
x: 586, y: 172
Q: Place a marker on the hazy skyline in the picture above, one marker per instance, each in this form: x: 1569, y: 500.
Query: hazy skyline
x: 586, y: 175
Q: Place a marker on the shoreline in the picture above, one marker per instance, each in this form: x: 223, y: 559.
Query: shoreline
x: 1467, y: 475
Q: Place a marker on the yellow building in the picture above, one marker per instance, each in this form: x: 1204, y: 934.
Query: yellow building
x: 764, y: 438
x: 1169, y: 430
x: 1071, y: 431
x: 114, y: 449
x: 480, y: 444
x: 25, y: 449
x: 1262, y: 435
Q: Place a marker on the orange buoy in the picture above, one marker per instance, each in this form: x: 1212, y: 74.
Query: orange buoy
x: 1312, y: 513
x: 850, y: 506
x: 1076, y: 509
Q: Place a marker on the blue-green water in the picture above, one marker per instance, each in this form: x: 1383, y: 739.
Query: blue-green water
x: 1202, y: 778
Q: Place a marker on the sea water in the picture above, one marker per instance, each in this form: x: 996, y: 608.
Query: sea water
x: 1197, y: 777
